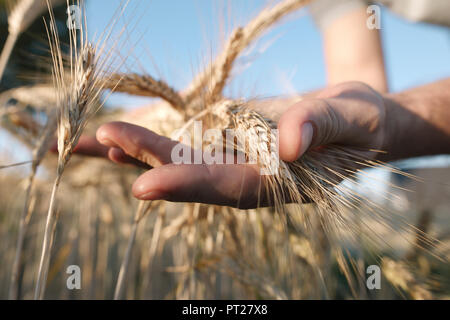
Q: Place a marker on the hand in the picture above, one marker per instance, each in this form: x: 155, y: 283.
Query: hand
x: 350, y: 114
x: 232, y: 185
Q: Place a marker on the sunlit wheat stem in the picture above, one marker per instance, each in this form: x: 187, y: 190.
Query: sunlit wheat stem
x: 24, y: 217
x: 47, y: 244
x: 141, y: 211
x: 78, y: 91
x: 15, y: 164
x: 39, y: 152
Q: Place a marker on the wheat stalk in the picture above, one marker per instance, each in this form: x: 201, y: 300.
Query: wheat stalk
x: 142, y: 210
x: 78, y: 90
x: 12, y: 165
x: 39, y: 152
x: 154, y: 244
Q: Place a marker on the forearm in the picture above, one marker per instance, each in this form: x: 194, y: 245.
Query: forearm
x: 418, y: 122
x: 353, y: 52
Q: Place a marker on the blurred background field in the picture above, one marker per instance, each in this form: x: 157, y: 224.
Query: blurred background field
x: 207, y: 252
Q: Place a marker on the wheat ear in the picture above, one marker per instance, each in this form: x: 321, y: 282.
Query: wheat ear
x: 78, y: 90
x: 316, y: 177
x: 145, y: 85
x: 213, y: 78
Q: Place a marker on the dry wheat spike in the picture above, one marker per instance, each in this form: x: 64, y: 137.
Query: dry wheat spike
x: 213, y: 79
x: 207, y: 87
x: 145, y: 85
x: 78, y: 91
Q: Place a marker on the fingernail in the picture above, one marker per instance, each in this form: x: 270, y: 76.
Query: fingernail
x: 104, y: 140
x: 152, y: 195
x: 102, y: 137
x: 307, y: 134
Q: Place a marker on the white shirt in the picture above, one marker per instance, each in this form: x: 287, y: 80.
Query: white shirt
x: 432, y: 11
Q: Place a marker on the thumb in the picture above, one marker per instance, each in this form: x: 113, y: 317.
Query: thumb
x: 307, y: 124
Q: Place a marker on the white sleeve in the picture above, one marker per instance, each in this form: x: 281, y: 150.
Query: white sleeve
x: 324, y: 12
x: 436, y: 11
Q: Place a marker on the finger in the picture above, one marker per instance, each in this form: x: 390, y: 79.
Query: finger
x: 118, y: 156
x: 350, y: 113
x: 296, y: 130
x: 88, y: 146
x: 137, y: 142
x: 311, y: 123
x: 54, y: 146
x: 232, y: 185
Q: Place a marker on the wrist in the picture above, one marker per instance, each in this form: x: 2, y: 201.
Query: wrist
x: 398, y: 121
x: 417, y: 122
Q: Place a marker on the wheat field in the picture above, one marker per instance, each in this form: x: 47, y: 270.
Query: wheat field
x: 60, y: 209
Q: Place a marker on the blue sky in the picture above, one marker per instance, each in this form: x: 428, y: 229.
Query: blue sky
x: 174, y: 38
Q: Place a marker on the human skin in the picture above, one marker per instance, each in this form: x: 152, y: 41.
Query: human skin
x: 352, y: 115
x: 353, y: 52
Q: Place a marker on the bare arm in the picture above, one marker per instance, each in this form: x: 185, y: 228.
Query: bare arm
x: 353, y: 115
x: 412, y: 123
x: 418, y: 121
x: 353, y: 52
